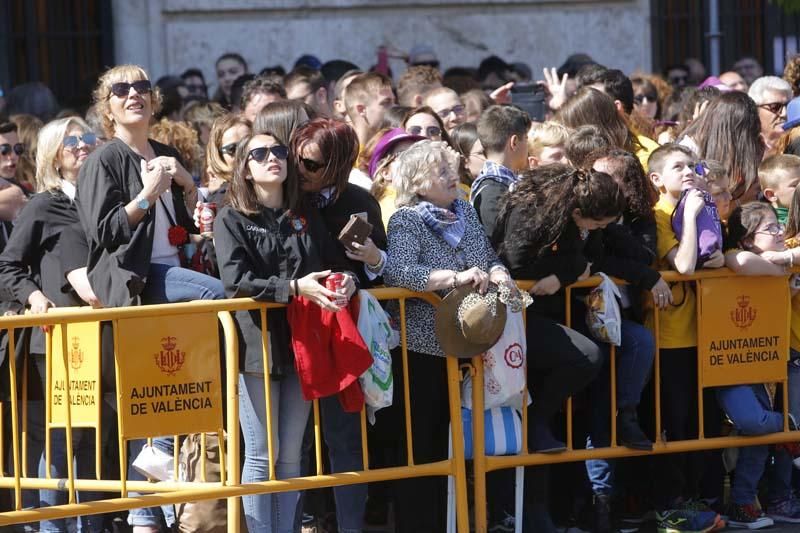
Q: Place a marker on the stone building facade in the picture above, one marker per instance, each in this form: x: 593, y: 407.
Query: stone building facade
x: 168, y: 36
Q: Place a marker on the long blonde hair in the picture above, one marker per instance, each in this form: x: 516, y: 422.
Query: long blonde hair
x: 51, y: 139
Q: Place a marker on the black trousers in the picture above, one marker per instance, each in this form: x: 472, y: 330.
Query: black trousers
x: 561, y: 362
x: 687, y: 475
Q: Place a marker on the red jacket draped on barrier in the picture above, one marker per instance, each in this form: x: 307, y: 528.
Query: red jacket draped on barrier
x: 329, y: 353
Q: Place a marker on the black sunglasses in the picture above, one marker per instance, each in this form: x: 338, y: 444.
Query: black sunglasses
x: 260, y: 154
x: 5, y: 149
x: 430, y: 131
x: 228, y: 149
x: 639, y: 98
x: 774, y: 107
x: 88, y: 138
x: 311, y: 165
x: 123, y: 88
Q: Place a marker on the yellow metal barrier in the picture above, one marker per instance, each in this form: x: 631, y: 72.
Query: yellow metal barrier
x: 164, y: 493
x: 484, y: 464
x: 231, y: 488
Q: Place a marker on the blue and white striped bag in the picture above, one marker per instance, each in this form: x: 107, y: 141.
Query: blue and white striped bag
x: 502, y: 431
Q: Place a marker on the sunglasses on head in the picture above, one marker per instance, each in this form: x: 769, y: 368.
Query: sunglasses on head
x: 5, y: 149
x: 311, y: 165
x: 259, y: 155
x: 123, y: 88
x: 228, y: 149
x: 430, y: 131
x: 88, y: 138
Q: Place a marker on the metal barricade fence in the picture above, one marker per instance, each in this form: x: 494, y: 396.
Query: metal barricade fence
x: 164, y: 493
x: 484, y: 464
x: 143, y: 323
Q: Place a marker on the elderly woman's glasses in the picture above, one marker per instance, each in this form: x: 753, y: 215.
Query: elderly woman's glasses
x: 72, y: 141
x: 772, y: 229
x: 430, y: 131
x: 123, y: 88
x: 260, y: 154
x: 774, y: 107
x: 6, y: 149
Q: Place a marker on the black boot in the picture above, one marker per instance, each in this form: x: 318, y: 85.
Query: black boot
x: 629, y: 432
x: 602, y: 513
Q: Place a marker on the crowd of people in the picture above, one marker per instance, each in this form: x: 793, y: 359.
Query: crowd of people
x: 467, y: 181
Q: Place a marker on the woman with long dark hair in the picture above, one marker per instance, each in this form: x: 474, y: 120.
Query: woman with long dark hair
x: 554, y: 231
x: 271, y: 248
x: 729, y: 132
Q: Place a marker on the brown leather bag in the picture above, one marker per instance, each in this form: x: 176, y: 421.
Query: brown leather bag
x: 207, y: 516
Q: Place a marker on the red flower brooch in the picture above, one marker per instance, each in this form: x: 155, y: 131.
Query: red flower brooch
x: 178, y: 235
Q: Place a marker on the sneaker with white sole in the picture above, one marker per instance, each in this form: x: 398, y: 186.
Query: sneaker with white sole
x: 748, y: 516
x: 154, y: 464
x: 787, y: 510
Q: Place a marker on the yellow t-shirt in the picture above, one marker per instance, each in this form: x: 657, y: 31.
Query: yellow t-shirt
x: 648, y: 146
x: 677, y: 324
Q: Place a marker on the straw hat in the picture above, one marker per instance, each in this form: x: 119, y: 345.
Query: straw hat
x: 469, y: 323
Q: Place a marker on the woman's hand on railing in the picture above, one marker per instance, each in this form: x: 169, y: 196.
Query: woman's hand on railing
x: 662, y: 294
x: 546, y: 286
x: 309, y: 287
x: 39, y: 303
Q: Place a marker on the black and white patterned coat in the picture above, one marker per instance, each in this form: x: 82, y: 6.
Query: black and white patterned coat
x: 415, y: 251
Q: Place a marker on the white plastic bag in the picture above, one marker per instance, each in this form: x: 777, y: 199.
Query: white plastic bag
x: 602, y: 312
x: 503, y: 368
x: 377, y: 382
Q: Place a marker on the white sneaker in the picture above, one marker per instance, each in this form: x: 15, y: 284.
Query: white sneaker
x: 154, y: 464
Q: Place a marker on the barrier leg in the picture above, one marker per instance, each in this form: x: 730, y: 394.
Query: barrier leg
x: 233, y: 451
x: 457, y: 434
x: 479, y: 446
x: 519, y: 497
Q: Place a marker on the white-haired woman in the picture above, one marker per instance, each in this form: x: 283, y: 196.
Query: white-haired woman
x: 135, y: 200
x: 31, y: 275
x: 436, y: 243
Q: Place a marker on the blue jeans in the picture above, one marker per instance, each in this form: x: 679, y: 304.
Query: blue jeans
x: 169, y: 284
x: 780, y: 480
x: 342, y: 433
x: 266, y: 513
x: 634, y: 363
x: 748, y: 406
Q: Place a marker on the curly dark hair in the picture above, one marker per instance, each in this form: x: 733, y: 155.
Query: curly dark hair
x: 627, y: 170
x: 550, y: 194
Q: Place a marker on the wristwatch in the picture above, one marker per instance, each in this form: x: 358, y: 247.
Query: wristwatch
x: 142, y: 203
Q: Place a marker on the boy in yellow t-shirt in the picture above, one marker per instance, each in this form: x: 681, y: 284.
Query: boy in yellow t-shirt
x: 671, y: 168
